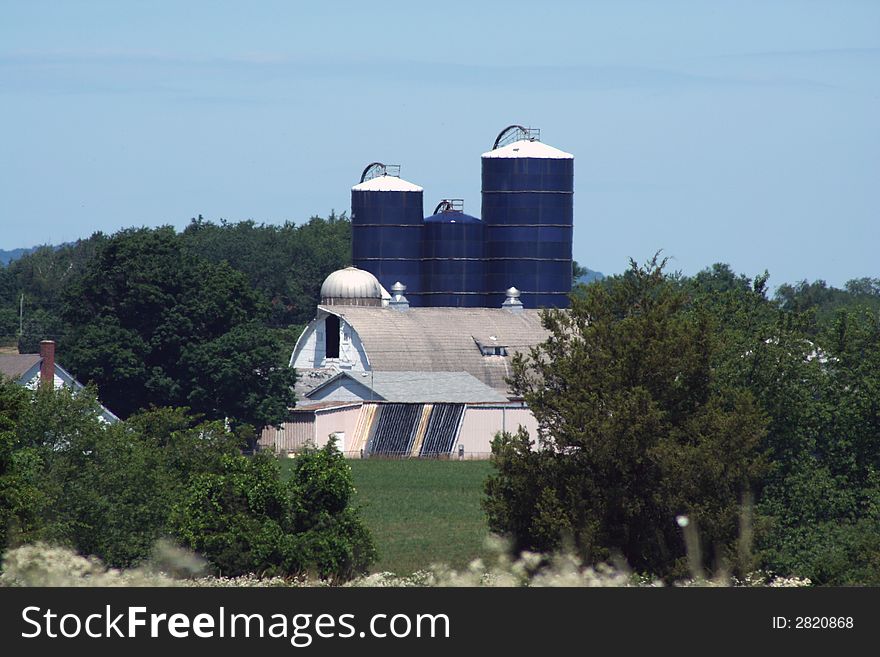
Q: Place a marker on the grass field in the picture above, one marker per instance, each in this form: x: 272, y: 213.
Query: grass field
x: 422, y: 511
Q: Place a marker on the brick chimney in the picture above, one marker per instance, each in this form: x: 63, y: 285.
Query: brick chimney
x: 47, y: 365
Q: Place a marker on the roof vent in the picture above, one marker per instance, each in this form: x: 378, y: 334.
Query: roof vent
x: 398, y: 301
x: 512, y: 303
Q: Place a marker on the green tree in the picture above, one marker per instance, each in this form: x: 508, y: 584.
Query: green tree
x: 8, y: 324
x: 156, y: 325
x: 12, y: 403
x: 38, y: 325
x: 68, y: 478
x: 244, y: 518
x: 82, y: 482
x: 41, y: 277
x: 286, y: 263
x: 820, y: 506
x: 634, y: 429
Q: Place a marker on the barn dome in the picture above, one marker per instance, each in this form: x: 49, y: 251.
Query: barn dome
x: 351, y: 287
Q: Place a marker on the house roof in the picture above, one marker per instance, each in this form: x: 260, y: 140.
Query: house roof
x: 420, y: 387
x: 15, y: 366
x: 442, y: 339
x: 18, y: 366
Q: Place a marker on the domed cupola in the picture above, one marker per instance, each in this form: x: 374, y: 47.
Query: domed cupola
x: 351, y: 287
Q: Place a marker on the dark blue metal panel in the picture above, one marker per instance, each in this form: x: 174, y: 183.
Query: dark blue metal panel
x: 452, y: 261
x: 386, y: 235
x: 528, y: 216
x: 525, y: 174
x: 395, y: 430
x: 442, y: 430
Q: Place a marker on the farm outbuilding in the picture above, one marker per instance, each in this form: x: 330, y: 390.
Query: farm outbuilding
x: 400, y: 430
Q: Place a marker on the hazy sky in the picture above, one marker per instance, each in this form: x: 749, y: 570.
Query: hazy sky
x: 745, y: 132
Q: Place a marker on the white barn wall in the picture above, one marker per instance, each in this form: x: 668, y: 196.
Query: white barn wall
x: 352, y: 354
x: 310, y: 351
x: 337, y: 420
x: 481, y: 423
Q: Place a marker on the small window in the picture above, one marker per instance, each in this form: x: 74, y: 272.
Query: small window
x: 331, y: 344
x: 493, y: 350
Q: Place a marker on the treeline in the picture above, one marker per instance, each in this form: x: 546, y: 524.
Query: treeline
x: 286, y: 264
x: 693, y: 425
x: 204, y: 318
x: 186, y: 336
x: 116, y: 491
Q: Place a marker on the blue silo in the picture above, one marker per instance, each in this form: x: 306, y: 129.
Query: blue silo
x: 528, y: 193
x: 452, y: 258
x: 386, y: 228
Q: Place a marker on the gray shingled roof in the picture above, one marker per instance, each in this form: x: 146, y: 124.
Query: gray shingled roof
x: 442, y: 339
x: 14, y: 365
x: 423, y: 387
x: 308, y: 380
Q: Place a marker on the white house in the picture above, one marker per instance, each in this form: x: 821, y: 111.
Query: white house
x: 31, y: 370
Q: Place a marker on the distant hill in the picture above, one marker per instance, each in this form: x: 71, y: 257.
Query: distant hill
x: 590, y: 276
x: 8, y: 256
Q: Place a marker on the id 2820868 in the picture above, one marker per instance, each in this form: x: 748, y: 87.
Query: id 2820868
x: 813, y: 623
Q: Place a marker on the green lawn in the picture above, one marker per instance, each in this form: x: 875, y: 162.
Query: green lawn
x: 422, y: 511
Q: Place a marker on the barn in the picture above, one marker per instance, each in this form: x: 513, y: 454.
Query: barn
x: 387, y: 379
x: 430, y: 378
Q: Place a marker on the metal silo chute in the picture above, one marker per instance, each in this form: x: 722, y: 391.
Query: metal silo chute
x: 514, y: 133
x: 450, y: 205
x: 376, y: 169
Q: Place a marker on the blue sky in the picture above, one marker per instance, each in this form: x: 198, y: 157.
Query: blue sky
x: 740, y: 132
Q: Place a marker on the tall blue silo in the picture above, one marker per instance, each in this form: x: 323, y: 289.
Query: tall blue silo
x: 528, y: 194
x: 452, y: 258
x: 386, y: 228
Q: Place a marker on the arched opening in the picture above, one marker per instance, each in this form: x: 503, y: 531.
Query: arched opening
x: 331, y: 336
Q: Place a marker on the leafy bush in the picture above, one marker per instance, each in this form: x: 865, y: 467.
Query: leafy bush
x: 68, y: 478
x: 244, y: 518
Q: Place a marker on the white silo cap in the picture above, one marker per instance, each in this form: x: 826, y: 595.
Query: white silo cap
x: 529, y: 148
x: 386, y: 184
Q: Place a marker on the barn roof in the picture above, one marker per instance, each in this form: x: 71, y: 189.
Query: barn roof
x: 443, y: 339
x: 420, y: 387
x: 16, y: 365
